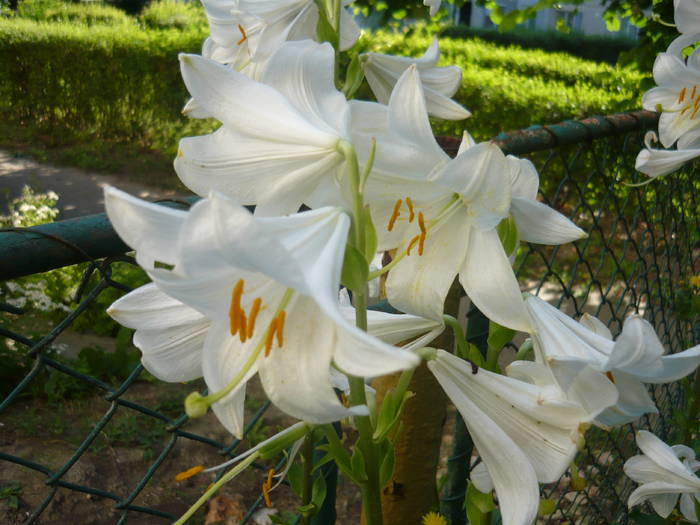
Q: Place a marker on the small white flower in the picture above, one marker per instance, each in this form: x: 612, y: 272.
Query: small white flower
x: 664, y: 473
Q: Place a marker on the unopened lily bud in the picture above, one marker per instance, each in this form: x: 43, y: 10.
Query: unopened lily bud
x: 196, y: 405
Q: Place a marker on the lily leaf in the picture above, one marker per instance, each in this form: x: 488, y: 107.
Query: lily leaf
x: 355, y: 269
x: 357, y: 461
x: 386, y: 469
x: 499, y: 336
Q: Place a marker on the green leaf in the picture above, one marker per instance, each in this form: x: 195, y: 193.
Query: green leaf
x: 295, y: 477
x: 318, y: 491
x: 355, y: 269
x: 482, y: 500
x: 508, y: 233
x: 357, y: 463
x: 612, y: 21
x: 499, y: 336
x: 386, y: 468
x: 390, y: 414
x: 353, y: 79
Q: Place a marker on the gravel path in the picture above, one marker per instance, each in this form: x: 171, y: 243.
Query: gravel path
x: 80, y: 192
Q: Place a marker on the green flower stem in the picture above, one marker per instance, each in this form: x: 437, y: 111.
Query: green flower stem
x: 460, y: 340
x: 371, y: 497
x: 492, y: 359
x: 216, y: 486
x: 307, y: 453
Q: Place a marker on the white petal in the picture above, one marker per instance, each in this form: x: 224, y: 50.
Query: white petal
x: 540, y: 224
x: 303, y: 72
x: 663, y: 503
x: 169, y: 334
x: 656, y: 162
x: 686, y: 15
x: 649, y: 490
x: 419, y: 283
x: 596, y: 325
x: 349, y: 30
x: 637, y: 349
x: 634, y: 402
x: 490, y: 283
x: 674, y: 366
x: 150, y: 229
x: 512, y: 473
x: 480, y: 477
x: 687, y: 506
x: 524, y: 178
x: 399, y: 328
x: 224, y: 357
x: 296, y: 376
x: 661, y: 454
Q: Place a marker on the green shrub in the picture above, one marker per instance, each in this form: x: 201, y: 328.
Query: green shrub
x: 75, y: 13
x: 591, y: 47
x: 173, y: 14
x: 106, y: 83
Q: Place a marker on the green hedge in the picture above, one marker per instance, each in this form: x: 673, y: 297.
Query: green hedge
x: 79, y: 13
x: 173, y: 14
x: 591, y: 47
x: 75, y: 83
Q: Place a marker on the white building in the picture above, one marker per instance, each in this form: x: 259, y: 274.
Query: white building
x: 586, y: 18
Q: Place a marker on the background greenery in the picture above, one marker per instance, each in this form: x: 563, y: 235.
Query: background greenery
x: 88, y: 85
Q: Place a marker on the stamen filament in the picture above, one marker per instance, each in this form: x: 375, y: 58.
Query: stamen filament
x: 394, y: 215
x: 189, y: 473
x: 253, y: 315
x: 412, y: 213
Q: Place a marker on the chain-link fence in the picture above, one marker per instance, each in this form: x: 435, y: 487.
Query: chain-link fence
x: 642, y: 248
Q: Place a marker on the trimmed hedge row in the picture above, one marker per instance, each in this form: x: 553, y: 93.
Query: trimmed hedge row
x: 591, y: 47
x: 75, y: 83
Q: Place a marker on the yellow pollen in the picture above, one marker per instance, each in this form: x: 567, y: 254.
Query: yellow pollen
x: 412, y: 244
x: 189, y: 473
x: 681, y: 96
x: 280, y: 328
x: 394, y: 215
x: 242, y: 322
x: 244, y: 37
x: 412, y: 213
x: 253, y: 315
x: 610, y: 376
x: 270, y: 336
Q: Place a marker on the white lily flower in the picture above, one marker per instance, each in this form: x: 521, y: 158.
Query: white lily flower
x: 441, y: 214
x: 439, y: 83
x: 523, y: 432
x: 656, y: 162
x: 664, y: 473
x: 677, y: 94
x: 635, y: 358
x: 278, y: 143
x: 277, y: 274
x: 686, y: 15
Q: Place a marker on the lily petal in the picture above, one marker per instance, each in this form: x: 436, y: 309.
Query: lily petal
x: 541, y: 224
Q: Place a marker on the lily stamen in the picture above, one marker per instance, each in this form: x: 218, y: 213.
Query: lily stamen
x: 395, y: 215
x: 280, y: 327
x: 423, y: 232
x: 411, y: 212
x: 253, y: 315
x: 244, y: 37
x: 610, y: 376
x: 269, y: 337
x: 681, y: 96
x: 189, y: 473
x: 235, y: 307
x: 412, y: 244
x: 242, y: 324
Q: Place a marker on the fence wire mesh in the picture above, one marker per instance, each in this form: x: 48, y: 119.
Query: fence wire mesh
x: 122, y: 437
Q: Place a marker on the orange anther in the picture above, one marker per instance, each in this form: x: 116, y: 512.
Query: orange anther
x: 412, y: 213
x: 421, y: 243
x: 270, y: 335
x: 242, y: 322
x: 412, y: 244
x: 189, y: 473
x: 280, y: 327
x: 244, y: 37
x: 610, y: 376
x: 692, y: 95
x: 267, y: 486
x: 681, y: 96
x: 235, y: 307
x: 253, y: 315
x: 394, y: 215
x: 421, y: 223
x: 270, y: 474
